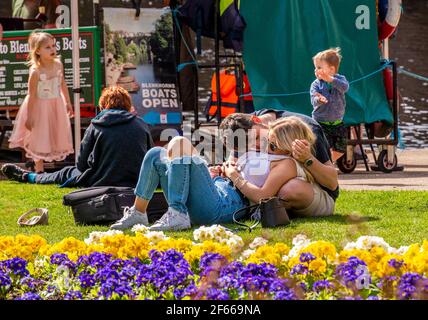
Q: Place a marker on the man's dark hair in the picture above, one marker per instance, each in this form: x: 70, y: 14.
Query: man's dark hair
x: 237, y: 121
x: 235, y: 127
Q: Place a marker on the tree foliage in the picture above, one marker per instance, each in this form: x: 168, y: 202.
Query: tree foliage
x: 161, y: 40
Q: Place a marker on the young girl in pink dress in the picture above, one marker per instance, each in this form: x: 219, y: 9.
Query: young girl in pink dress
x: 42, y: 127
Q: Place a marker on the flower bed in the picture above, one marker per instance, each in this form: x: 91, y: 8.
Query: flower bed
x: 217, y: 265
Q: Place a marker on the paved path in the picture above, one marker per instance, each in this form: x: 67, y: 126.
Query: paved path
x: 414, y: 176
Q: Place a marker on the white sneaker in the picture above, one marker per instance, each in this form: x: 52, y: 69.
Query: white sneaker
x: 131, y: 217
x: 172, y: 220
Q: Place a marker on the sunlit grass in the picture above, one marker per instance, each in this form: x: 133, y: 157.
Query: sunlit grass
x: 400, y: 217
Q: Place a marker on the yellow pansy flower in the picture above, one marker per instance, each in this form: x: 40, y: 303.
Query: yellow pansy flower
x: 266, y: 254
x: 318, y: 266
x: 321, y: 249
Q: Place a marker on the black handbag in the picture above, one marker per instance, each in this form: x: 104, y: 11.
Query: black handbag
x: 99, y: 205
x: 270, y: 212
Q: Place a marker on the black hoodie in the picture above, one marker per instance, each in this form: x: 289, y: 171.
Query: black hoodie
x: 112, y: 150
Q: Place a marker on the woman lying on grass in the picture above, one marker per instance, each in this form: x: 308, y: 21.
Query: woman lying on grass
x: 302, y: 199
x: 194, y: 197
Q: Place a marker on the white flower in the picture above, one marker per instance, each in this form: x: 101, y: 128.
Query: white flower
x: 246, y: 254
x: 368, y: 242
x: 140, y: 228
x: 95, y: 236
x: 215, y: 233
x: 40, y: 262
x: 200, y: 233
x: 155, y: 236
x: 350, y: 246
x: 43, y: 77
x: 400, y: 251
x: 299, y: 243
x: 235, y: 243
x: 258, y: 242
x: 300, y: 240
x: 285, y: 258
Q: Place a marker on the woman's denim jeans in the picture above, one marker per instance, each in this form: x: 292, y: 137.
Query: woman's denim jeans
x: 188, y: 187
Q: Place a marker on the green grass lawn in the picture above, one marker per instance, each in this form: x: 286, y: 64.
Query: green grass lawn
x: 400, y: 217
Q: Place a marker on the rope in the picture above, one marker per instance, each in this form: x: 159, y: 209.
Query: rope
x: 384, y: 65
x: 273, y: 94
x: 181, y: 66
x: 411, y: 74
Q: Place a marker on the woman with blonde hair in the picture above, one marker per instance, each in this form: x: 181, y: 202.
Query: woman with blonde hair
x: 258, y: 175
x: 302, y: 198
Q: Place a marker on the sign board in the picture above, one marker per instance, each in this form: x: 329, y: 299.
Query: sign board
x: 139, y: 56
x: 14, y: 71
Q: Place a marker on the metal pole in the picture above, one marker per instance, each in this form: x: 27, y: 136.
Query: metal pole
x: 386, y: 49
x: 241, y: 102
x: 196, y: 100
x: 217, y: 59
x: 95, y: 8
x: 76, y: 74
x: 395, y: 100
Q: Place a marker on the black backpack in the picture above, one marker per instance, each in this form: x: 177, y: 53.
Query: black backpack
x: 105, y: 205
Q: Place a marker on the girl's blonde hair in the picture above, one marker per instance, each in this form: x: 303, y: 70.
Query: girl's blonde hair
x: 36, y: 40
x: 286, y: 130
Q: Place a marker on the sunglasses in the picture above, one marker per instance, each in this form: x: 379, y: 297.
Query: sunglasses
x: 273, y: 146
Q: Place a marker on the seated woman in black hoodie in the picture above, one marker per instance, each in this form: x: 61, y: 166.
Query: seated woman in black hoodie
x: 111, y: 152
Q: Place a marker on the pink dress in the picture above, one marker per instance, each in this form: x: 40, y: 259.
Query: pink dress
x: 50, y: 137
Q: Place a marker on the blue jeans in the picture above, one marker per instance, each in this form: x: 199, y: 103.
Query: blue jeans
x: 188, y: 187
